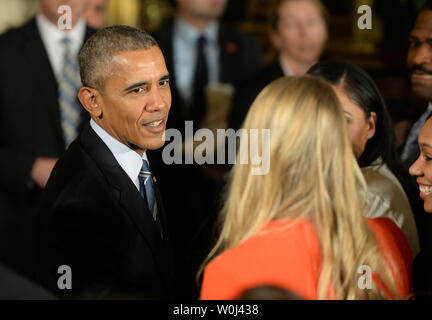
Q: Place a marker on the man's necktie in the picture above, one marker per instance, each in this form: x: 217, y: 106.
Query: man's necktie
x: 146, y: 187
x: 200, y: 82
x: 411, y: 143
x: 147, y: 192
x: 69, y: 84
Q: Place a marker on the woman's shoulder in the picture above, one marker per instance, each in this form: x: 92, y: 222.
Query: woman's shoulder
x: 385, y: 230
x: 285, y: 253
x: 277, y: 230
x: 282, y: 236
x: 387, y: 198
x: 392, y: 241
x: 381, y: 181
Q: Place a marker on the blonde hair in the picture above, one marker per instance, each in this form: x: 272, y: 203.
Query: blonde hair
x: 313, y: 175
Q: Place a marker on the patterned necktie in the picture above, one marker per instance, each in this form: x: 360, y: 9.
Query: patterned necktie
x: 69, y: 84
x: 411, y: 143
x: 146, y: 187
x: 200, y: 82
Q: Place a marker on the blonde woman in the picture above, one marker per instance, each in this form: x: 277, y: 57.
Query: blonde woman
x: 300, y: 227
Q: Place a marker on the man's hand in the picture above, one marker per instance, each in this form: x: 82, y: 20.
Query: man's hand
x: 41, y: 170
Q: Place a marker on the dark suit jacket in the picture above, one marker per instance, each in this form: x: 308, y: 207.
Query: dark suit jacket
x: 94, y: 220
x: 247, y: 92
x: 29, y: 128
x: 15, y: 287
x: 240, y: 57
x: 422, y: 278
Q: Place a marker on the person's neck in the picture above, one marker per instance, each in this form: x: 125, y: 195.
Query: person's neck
x: 198, y: 23
x: 113, y: 134
x: 295, y: 66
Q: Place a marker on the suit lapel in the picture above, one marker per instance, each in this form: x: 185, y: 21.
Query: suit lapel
x: 161, y: 209
x: 167, y: 258
x: 125, y: 192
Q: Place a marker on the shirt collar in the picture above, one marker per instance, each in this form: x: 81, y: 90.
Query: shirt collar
x: 128, y: 159
x: 51, y: 32
x: 190, y: 34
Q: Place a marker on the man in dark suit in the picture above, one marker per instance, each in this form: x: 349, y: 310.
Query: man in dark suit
x: 31, y: 133
x: 102, y: 214
x: 200, y: 51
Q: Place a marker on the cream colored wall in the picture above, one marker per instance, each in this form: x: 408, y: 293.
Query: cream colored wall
x: 14, y: 13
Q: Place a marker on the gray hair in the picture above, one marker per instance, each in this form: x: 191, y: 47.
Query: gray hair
x: 95, y: 58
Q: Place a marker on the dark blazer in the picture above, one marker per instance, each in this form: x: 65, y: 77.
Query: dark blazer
x: 422, y: 278
x: 93, y: 219
x: 29, y: 128
x: 194, y: 197
x: 15, y: 287
x: 240, y: 57
x: 247, y: 92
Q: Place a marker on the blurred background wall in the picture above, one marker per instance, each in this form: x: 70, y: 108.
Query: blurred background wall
x: 13, y: 13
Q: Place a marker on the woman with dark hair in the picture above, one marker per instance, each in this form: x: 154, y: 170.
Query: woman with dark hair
x: 372, y: 137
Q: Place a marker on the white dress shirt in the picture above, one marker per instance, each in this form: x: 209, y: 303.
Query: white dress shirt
x: 185, y: 39
x: 129, y: 160
x: 51, y: 37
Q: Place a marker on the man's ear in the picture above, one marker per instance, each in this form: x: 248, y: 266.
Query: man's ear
x: 89, y: 98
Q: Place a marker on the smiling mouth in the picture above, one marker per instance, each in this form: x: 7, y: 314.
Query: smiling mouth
x: 421, y: 75
x: 154, y: 123
x: 425, y: 189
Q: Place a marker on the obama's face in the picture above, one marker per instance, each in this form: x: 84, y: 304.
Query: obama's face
x: 133, y: 107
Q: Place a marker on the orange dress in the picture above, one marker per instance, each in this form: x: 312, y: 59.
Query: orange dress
x: 287, y: 254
